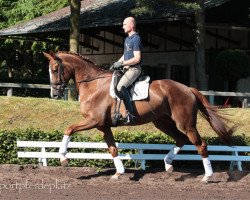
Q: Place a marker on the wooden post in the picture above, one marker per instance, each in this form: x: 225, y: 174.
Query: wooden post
x: 244, y: 103
x: 10, y: 74
x: 10, y: 92
x: 211, y: 98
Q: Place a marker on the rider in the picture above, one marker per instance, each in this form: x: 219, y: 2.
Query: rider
x: 130, y: 62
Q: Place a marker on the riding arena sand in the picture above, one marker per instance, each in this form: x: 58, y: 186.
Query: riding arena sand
x: 37, y: 182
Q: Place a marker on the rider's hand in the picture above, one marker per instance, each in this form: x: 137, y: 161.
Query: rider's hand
x: 117, y: 65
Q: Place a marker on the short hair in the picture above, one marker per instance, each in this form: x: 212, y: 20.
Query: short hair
x: 132, y: 20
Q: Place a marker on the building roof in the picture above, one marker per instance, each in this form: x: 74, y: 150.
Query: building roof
x: 100, y: 13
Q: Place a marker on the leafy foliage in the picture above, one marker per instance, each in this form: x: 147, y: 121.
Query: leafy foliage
x: 149, y: 7
x: 20, y: 58
x: 232, y: 64
x: 17, y: 11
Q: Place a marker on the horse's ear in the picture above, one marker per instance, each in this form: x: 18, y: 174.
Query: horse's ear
x: 52, y: 54
x: 49, y: 56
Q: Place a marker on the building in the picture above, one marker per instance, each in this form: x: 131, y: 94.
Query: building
x: 168, y: 34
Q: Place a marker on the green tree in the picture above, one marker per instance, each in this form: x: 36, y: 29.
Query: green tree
x: 5, y: 7
x: 16, y: 11
x: 232, y: 65
x: 20, y: 58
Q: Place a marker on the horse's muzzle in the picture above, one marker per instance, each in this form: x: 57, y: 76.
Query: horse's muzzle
x: 56, y: 96
x: 57, y: 92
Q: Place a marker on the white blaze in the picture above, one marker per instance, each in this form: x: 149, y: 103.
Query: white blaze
x: 51, y: 88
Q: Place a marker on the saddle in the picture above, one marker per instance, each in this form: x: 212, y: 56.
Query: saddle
x: 138, y: 91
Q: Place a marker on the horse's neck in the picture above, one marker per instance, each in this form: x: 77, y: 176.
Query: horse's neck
x: 97, y: 86
x: 85, y: 71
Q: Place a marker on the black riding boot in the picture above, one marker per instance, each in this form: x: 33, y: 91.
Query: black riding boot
x: 128, y: 104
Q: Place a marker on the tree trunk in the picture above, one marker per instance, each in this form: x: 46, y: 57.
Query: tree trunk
x: 200, y: 68
x: 75, y: 6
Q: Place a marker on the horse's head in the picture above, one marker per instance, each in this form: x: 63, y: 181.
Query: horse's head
x: 58, y: 75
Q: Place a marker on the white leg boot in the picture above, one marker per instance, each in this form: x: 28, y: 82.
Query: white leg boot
x: 170, y: 157
x: 119, y: 168
x: 208, y: 170
x: 63, y: 150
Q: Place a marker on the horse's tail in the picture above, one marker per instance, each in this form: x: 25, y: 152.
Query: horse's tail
x: 210, y: 113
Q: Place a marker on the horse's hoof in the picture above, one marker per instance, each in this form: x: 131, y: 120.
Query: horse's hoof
x: 169, y: 168
x: 64, y: 161
x: 116, y: 176
x: 205, y: 179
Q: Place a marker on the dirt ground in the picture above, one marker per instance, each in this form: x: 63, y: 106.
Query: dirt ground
x: 30, y: 182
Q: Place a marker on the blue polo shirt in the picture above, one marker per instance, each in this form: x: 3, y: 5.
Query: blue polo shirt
x: 132, y: 43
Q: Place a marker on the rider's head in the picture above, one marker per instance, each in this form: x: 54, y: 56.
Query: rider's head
x: 129, y: 25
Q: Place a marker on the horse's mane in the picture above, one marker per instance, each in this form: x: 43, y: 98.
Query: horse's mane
x: 79, y: 56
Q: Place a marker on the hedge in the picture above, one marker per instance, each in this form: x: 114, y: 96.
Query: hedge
x: 8, y: 148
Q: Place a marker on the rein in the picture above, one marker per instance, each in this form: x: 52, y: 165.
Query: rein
x: 93, y: 78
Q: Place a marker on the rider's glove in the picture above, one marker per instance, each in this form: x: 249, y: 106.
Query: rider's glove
x: 117, y: 65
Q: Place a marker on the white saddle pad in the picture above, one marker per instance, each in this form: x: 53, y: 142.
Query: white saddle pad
x: 138, y: 91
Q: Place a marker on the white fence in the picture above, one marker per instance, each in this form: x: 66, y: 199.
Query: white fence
x: 210, y: 94
x: 10, y: 86
x: 235, y: 154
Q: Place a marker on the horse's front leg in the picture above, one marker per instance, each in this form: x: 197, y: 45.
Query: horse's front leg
x: 82, y: 125
x: 109, y: 139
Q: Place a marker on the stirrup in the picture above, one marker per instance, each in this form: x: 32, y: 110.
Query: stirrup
x: 116, y: 118
x: 130, y: 119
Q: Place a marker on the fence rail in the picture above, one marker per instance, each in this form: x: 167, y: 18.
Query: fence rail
x: 10, y: 86
x: 211, y: 94
x: 235, y: 154
x: 28, y: 85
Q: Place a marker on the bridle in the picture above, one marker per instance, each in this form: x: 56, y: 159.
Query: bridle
x: 62, y: 83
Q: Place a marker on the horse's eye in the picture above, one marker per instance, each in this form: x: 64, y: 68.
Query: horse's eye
x: 55, y: 71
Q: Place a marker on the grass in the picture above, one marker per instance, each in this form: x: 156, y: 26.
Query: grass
x: 48, y: 114
x: 38, y: 113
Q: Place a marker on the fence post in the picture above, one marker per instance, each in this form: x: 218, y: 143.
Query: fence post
x: 10, y: 92
x: 211, y: 98
x: 143, y: 162
x: 42, y: 161
x: 244, y: 103
x: 236, y: 163
x: 66, y: 93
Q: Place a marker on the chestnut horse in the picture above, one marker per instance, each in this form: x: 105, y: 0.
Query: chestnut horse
x: 171, y: 106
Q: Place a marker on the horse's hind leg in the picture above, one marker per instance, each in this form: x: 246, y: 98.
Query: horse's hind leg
x: 168, y: 126
x: 201, y: 146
